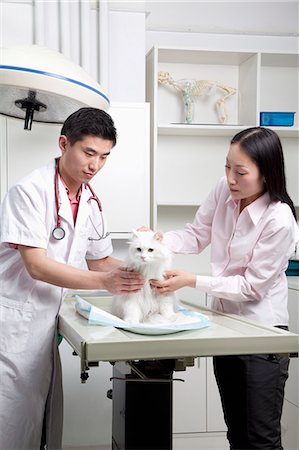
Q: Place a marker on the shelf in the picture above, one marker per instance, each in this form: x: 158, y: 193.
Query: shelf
x: 291, y: 132
x: 165, y: 203
x: 198, y: 56
x: 280, y: 60
x: 181, y: 129
x: 120, y: 235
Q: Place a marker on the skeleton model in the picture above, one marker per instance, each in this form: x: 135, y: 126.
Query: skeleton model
x: 191, y: 89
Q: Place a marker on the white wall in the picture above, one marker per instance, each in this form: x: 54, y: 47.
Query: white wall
x: 78, y: 30
x: 255, y: 17
x: 127, y: 61
x: 87, y: 411
x: 20, y: 15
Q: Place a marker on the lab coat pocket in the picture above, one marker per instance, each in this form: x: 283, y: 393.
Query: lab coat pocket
x: 15, y: 325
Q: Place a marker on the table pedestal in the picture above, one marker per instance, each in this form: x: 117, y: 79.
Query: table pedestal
x: 142, y: 405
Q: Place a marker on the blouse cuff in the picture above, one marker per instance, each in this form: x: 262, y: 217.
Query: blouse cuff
x: 203, y: 283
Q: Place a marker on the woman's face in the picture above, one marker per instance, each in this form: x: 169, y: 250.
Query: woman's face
x: 243, y: 176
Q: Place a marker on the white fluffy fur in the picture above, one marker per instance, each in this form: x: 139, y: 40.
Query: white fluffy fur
x: 150, y: 257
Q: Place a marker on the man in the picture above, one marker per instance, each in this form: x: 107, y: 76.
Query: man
x: 52, y: 236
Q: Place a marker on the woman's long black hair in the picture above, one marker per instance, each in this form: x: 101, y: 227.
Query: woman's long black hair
x: 263, y: 146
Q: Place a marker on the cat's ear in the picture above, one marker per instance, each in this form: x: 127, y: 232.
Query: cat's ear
x: 135, y: 233
x: 158, y: 236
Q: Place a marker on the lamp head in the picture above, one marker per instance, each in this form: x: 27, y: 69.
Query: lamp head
x: 42, y: 85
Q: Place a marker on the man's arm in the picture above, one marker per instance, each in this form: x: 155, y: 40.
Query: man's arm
x: 40, y: 267
x: 104, y: 264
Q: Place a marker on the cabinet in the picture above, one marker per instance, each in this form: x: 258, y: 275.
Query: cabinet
x: 188, y: 159
x: 197, y: 413
x: 123, y: 183
x: 292, y: 385
x: 290, y: 417
x: 187, y: 397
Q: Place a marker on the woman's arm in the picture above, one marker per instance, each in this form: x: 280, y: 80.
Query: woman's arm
x: 269, y: 260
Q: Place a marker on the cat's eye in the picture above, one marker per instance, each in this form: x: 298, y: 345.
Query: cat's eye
x: 138, y: 249
x: 150, y: 250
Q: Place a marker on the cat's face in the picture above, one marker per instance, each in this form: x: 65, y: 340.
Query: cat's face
x: 145, y: 249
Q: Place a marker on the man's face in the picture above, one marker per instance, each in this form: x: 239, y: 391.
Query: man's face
x: 81, y: 161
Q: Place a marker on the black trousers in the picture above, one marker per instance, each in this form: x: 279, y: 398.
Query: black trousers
x: 252, y: 391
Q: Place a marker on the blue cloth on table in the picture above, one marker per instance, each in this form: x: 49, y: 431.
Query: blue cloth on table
x: 189, y: 320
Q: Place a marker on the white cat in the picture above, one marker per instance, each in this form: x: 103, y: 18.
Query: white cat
x: 151, y: 257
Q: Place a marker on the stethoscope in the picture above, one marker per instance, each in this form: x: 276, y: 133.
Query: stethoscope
x: 58, y: 232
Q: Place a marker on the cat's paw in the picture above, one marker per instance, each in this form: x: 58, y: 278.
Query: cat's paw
x: 132, y: 320
x: 172, y: 317
x: 156, y: 319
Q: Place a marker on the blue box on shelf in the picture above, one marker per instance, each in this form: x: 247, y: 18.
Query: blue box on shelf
x: 293, y: 268
x: 278, y: 119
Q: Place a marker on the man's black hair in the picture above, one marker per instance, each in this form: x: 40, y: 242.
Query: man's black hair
x: 87, y: 122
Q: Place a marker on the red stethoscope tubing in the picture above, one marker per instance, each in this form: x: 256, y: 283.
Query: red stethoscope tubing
x: 58, y: 219
x: 58, y: 233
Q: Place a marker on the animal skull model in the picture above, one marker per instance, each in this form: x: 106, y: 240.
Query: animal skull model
x: 192, y: 89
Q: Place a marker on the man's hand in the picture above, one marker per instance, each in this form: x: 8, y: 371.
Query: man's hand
x: 123, y: 280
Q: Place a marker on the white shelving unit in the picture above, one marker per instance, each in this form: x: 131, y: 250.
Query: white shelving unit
x: 188, y: 159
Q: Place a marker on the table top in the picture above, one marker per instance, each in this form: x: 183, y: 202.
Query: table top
x: 226, y: 335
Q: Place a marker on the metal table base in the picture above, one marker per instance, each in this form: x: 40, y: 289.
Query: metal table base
x: 142, y: 406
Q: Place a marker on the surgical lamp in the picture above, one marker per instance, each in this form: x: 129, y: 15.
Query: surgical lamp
x: 42, y: 85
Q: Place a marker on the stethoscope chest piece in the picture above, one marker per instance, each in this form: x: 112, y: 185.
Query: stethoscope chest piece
x: 58, y: 233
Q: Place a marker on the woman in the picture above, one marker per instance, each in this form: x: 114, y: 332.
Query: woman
x: 249, y: 221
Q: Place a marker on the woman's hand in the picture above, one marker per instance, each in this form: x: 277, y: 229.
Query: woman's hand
x: 144, y: 228
x: 174, y: 279
x: 158, y: 235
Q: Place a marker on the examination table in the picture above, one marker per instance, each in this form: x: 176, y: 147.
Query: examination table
x: 143, y: 365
